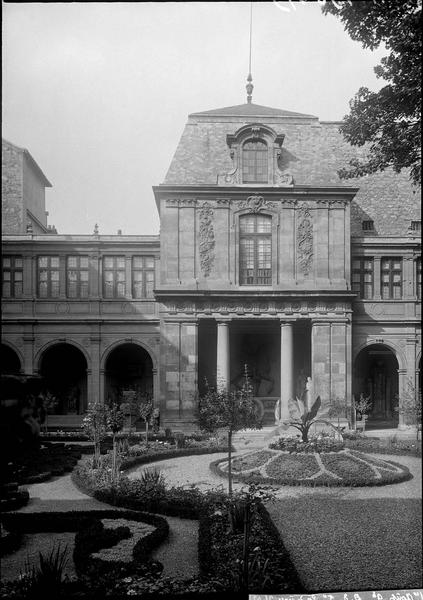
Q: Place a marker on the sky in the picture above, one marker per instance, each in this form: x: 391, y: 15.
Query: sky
x: 99, y: 93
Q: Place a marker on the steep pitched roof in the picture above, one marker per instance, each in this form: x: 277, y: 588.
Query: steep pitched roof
x: 31, y: 160
x: 250, y: 110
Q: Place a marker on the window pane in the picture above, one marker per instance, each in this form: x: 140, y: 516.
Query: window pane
x: 42, y: 261
x: 120, y: 275
x: 7, y: 262
x: 72, y: 262
x: 108, y: 276
x: 54, y: 275
x: 84, y: 275
x: 397, y: 265
x: 357, y: 265
x: 120, y: 288
x: 137, y: 291
x: 72, y: 276
x: 6, y: 289
x: 43, y: 275
x: 264, y: 224
x: 108, y: 289
x: 120, y: 262
x: 397, y: 292
x: 54, y: 289
x: 137, y: 276
x: 72, y: 289
x: 368, y: 292
x: 54, y: 261
x: 43, y: 289
x: 84, y: 290
x: 18, y: 262
x: 108, y: 262
x: 149, y: 262
x: 7, y: 275
x: 83, y: 261
x: 137, y: 262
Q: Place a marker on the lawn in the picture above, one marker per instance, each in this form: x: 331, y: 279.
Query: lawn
x: 352, y: 544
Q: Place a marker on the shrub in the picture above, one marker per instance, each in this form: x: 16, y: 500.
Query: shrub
x: 316, y: 443
x: 46, y: 579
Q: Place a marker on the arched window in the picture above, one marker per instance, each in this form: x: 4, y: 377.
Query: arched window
x: 254, y: 162
x: 255, y: 250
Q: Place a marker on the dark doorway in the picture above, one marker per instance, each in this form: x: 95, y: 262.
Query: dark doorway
x: 10, y: 363
x: 64, y: 369
x: 128, y: 368
x: 376, y: 375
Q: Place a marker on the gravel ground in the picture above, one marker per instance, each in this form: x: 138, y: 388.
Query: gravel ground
x: 179, y: 554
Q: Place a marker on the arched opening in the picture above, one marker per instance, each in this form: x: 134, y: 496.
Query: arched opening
x: 64, y: 369
x: 10, y: 362
x: 129, y: 375
x: 376, y: 375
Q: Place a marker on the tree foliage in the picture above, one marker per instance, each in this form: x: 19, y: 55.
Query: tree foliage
x: 387, y: 120
x: 233, y: 410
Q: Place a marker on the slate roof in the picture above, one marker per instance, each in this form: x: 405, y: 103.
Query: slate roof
x: 251, y: 110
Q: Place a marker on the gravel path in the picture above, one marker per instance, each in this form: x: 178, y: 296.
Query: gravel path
x: 179, y: 554
x: 190, y: 470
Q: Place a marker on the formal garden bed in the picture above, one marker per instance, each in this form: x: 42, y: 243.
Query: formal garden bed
x: 320, y: 461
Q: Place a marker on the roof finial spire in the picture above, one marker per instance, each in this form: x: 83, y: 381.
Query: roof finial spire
x: 249, y: 85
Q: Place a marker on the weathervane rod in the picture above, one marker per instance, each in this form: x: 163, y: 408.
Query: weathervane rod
x: 249, y: 85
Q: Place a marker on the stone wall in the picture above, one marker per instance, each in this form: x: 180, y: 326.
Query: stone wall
x: 13, y: 212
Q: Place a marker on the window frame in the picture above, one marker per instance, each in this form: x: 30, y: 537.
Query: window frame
x: 392, y: 285
x: 13, y: 270
x: 114, y: 269
x: 255, y: 236
x: 146, y: 293
x: 419, y: 278
x: 362, y: 271
x: 49, y: 269
x: 78, y: 269
x: 257, y: 152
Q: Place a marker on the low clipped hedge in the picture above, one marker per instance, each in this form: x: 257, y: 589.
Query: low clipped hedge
x: 357, y: 473
x: 96, y: 537
x: 143, y: 459
x: 10, y: 541
x: 91, y: 535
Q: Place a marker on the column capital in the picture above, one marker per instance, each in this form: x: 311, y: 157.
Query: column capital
x: 223, y: 320
x: 287, y: 321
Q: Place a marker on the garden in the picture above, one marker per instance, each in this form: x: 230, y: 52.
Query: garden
x: 111, y: 551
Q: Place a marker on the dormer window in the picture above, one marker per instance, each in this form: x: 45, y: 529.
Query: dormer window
x: 255, y: 162
x: 257, y: 157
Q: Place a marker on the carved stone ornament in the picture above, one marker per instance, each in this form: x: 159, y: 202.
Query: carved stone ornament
x: 256, y: 203
x: 207, y: 241
x: 304, y: 240
x: 283, y: 179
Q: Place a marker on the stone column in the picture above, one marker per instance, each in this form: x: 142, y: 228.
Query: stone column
x: 287, y: 368
x: 223, y: 378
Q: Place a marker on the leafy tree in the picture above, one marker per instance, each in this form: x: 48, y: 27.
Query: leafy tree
x: 337, y: 410
x: 410, y: 405
x: 220, y: 408
x: 115, y: 419
x: 94, y: 425
x: 145, y: 411
x: 389, y: 120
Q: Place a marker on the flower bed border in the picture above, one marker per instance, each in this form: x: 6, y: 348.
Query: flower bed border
x: 184, y: 508
x: 325, y: 481
x: 19, y: 523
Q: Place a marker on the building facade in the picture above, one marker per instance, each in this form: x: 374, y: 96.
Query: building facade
x: 265, y: 258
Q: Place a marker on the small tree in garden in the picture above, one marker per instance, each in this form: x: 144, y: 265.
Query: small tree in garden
x: 337, y: 410
x: 363, y: 405
x: 410, y: 405
x: 145, y: 411
x: 229, y: 410
x: 129, y: 406
x: 95, y: 428
x: 304, y: 418
x: 115, y: 419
